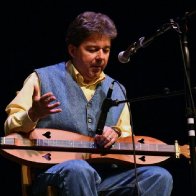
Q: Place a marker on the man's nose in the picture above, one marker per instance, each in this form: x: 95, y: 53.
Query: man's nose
x: 100, y: 54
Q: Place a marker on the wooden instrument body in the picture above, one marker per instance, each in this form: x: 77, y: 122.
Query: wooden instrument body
x: 51, y: 146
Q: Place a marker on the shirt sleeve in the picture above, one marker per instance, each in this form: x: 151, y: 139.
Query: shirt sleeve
x: 17, y: 110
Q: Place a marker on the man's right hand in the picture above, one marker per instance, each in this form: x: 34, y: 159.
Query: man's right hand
x: 43, y: 106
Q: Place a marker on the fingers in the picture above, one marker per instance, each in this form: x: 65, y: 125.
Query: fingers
x: 47, y: 98
x: 53, y: 108
x: 44, y: 105
x: 107, y: 139
x: 103, y: 141
x: 48, y: 107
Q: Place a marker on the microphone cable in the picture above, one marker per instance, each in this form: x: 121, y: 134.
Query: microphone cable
x: 137, y: 193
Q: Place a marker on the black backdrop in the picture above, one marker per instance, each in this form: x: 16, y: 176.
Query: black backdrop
x: 33, y: 36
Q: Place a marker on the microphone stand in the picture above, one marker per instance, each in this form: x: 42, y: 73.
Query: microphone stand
x: 190, y: 108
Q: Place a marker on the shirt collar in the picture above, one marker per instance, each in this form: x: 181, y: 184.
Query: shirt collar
x: 79, y: 78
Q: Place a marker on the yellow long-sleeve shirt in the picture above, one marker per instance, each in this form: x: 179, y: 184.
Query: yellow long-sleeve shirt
x: 17, y: 109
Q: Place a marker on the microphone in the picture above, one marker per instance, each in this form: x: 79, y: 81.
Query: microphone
x: 124, y: 56
x: 107, y: 103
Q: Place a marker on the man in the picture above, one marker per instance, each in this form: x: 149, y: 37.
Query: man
x: 69, y: 96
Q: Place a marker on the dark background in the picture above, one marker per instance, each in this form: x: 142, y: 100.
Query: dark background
x: 33, y: 36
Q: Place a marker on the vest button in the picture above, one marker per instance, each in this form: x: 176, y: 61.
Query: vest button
x: 89, y: 120
x: 88, y: 105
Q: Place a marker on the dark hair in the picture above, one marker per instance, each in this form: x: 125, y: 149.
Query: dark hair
x: 87, y: 23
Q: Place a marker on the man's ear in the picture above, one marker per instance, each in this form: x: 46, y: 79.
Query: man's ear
x: 71, y: 50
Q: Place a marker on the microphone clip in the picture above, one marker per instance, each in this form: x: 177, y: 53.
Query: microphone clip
x: 107, y: 104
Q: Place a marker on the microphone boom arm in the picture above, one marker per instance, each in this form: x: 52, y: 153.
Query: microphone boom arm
x: 124, y: 56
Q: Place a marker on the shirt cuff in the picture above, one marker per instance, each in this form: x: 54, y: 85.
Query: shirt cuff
x: 28, y: 124
x: 117, y: 130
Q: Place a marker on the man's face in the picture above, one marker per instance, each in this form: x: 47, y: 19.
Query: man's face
x: 91, y: 57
